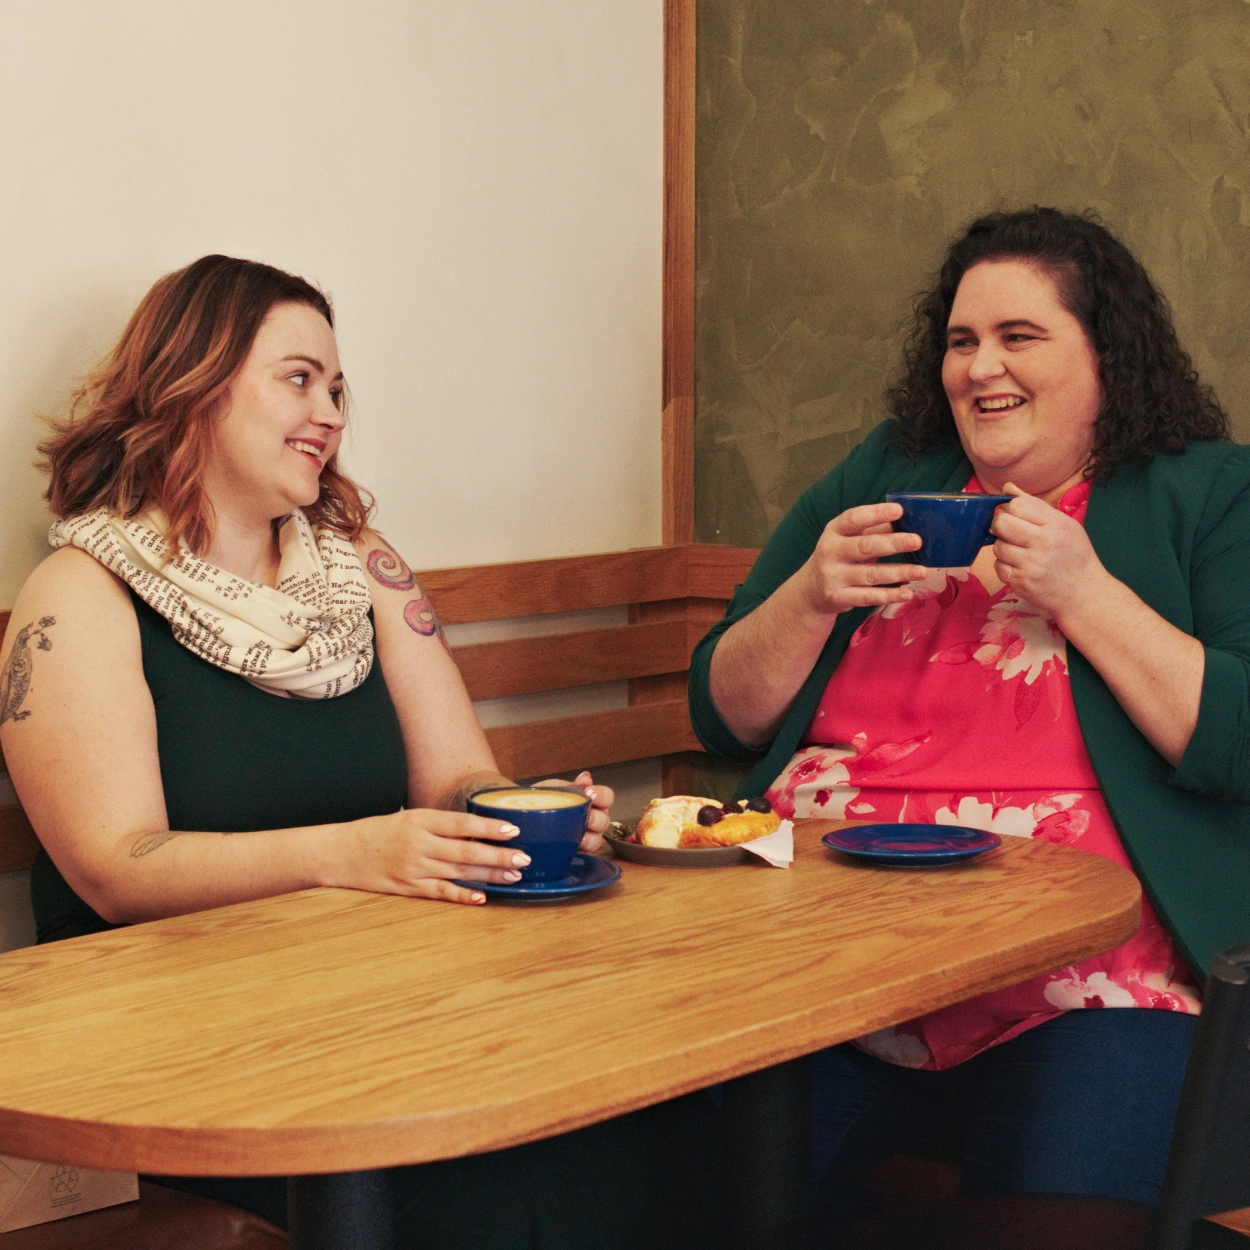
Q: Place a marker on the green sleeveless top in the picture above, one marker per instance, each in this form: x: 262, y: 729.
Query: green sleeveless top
x: 235, y: 759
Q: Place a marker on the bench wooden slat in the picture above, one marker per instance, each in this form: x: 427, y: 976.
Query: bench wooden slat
x: 567, y: 584
x: 492, y: 592
x: 712, y: 572
x: 495, y: 670
x: 4, y: 626
x: 18, y: 843
x: 628, y: 733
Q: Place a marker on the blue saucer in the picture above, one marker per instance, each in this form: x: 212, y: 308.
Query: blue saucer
x: 585, y: 873
x: 915, y: 846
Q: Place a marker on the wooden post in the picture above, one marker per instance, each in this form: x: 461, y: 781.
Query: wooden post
x: 677, y: 393
x: 678, y: 383
x: 678, y: 386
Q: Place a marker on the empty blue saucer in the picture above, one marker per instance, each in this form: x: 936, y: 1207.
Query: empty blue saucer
x: 913, y: 846
x: 585, y: 873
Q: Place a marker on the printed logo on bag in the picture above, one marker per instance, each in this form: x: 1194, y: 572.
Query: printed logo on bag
x: 65, y: 1187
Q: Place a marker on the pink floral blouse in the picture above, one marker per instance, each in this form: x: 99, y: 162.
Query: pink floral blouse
x: 955, y: 708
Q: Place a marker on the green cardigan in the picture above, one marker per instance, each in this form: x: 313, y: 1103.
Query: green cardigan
x: 1176, y: 530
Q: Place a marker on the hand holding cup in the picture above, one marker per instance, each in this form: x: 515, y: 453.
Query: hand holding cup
x: 843, y: 572
x: 600, y: 814
x: 1045, y: 555
x: 551, y: 819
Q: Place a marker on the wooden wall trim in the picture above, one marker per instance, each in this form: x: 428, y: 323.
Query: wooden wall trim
x: 677, y: 432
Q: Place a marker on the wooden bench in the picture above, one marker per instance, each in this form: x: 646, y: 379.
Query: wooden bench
x: 672, y: 595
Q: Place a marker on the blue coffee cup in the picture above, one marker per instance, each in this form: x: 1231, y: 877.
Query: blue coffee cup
x: 952, y: 528
x: 551, y: 819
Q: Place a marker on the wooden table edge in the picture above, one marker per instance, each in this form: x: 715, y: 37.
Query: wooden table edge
x: 309, y: 1149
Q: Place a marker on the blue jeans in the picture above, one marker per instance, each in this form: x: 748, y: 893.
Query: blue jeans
x: 1083, y: 1104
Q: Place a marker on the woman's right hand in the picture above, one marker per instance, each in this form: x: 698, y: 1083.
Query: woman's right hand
x: 762, y: 660
x: 419, y: 851
x: 843, y: 572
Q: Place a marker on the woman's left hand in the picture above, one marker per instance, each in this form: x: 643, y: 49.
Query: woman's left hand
x: 601, y: 800
x: 1043, y: 554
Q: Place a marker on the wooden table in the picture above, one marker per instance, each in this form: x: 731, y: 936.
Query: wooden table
x: 336, y: 1032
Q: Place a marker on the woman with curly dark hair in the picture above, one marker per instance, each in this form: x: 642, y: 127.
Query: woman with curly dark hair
x: 1152, y: 399
x: 1085, y: 681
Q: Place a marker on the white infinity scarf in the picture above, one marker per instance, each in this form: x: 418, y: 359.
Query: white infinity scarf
x: 310, y: 638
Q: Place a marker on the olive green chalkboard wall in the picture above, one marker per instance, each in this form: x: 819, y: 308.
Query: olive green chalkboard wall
x: 840, y: 142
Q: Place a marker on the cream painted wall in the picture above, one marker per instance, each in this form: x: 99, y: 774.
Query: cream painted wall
x: 476, y: 185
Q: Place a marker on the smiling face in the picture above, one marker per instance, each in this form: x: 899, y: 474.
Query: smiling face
x: 1022, y: 379
x: 284, y: 422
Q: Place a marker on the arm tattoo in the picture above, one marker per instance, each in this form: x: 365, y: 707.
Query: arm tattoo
x: 388, y: 569
x: 419, y: 616
x: 150, y: 842
x: 15, y: 678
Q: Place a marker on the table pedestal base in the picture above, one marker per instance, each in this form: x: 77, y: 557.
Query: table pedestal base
x: 768, y: 1117
x: 349, y: 1209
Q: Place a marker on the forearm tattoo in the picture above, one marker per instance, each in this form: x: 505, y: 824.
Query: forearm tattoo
x: 15, y: 677
x: 150, y: 842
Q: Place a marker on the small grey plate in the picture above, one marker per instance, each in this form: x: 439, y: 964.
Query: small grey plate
x: 672, y: 856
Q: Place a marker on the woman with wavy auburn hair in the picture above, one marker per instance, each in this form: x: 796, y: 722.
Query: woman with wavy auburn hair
x: 141, y: 428
x: 224, y: 686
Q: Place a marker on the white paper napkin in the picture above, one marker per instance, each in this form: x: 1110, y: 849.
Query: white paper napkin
x: 776, y: 849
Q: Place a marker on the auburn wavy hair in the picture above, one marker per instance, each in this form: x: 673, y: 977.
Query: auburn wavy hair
x: 141, y: 425
x: 1153, y: 400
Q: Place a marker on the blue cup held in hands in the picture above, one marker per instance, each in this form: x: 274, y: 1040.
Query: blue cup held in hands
x: 952, y: 527
x: 551, y: 820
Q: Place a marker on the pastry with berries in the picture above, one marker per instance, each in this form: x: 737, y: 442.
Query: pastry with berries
x: 685, y: 821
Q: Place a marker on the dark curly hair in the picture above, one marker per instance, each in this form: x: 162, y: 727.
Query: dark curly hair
x: 1153, y: 401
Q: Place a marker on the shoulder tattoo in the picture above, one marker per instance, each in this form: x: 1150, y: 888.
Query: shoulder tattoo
x: 388, y: 569
x: 15, y: 678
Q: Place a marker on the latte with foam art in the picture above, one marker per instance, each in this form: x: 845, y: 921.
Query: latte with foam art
x: 529, y: 800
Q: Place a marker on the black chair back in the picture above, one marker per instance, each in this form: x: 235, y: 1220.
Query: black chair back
x: 1209, y: 1166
